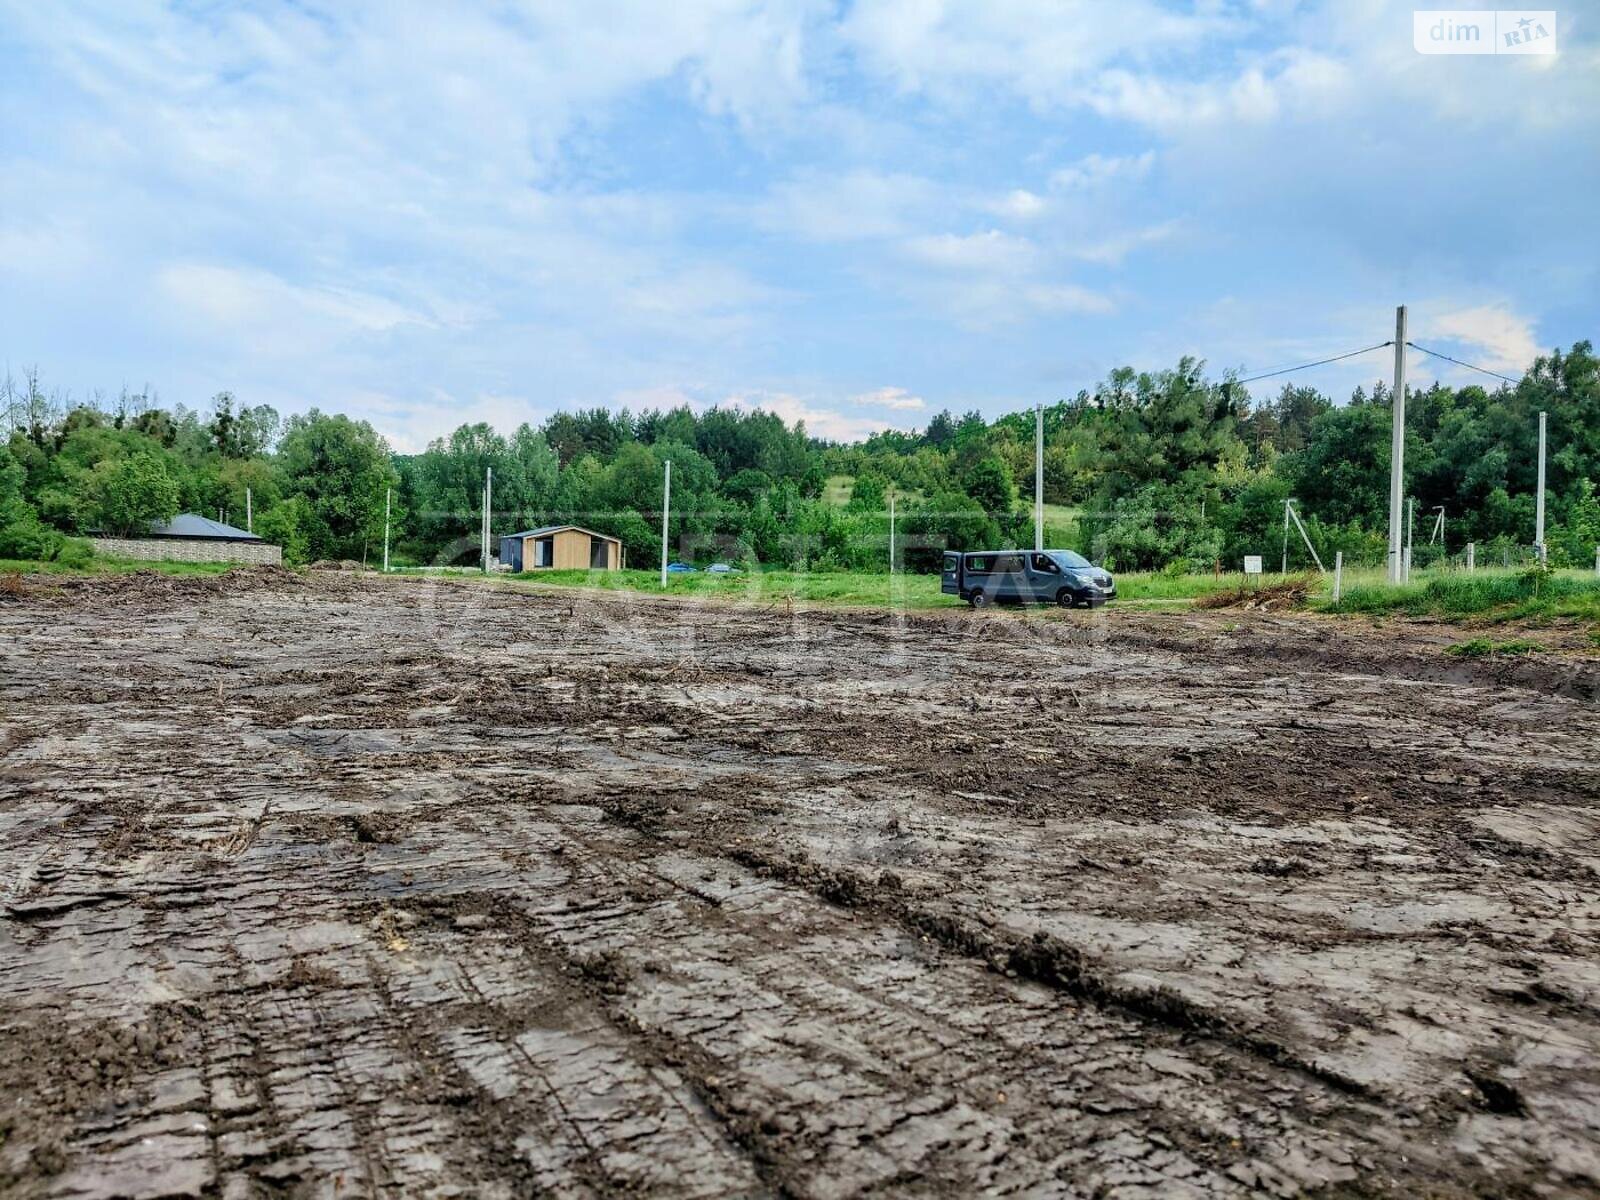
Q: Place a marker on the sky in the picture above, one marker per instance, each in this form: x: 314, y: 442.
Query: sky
x: 853, y: 214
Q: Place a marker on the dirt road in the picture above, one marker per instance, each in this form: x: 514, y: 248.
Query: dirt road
x: 322, y: 886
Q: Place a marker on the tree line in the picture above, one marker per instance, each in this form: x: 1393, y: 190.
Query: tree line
x: 1160, y: 470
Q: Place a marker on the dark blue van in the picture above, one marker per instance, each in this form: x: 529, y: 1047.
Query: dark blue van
x: 1026, y: 577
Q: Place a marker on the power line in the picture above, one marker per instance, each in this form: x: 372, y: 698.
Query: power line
x: 1459, y: 363
x: 1318, y: 363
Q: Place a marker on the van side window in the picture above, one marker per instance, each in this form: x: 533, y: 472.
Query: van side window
x: 1043, y: 562
x: 1008, y: 563
x: 978, y: 564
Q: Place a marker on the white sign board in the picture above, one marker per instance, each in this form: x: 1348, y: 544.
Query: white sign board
x: 1252, y: 564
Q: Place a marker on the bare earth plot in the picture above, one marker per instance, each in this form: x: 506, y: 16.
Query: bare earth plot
x: 321, y: 886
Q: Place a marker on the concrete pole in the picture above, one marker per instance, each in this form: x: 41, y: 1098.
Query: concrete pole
x: 388, y: 505
x: 1411, y: 537
x: 666, y: 506
x: 891, y: 532
x: 1538, y: 505
x: 1397, y: 446
x: 1597, y: 560
x: 1038, y: 477
x: 1338, y: 575
x: 1472, y: 557
x: 488, y: 504
x: 1284, y: 570
x: 249, y: 513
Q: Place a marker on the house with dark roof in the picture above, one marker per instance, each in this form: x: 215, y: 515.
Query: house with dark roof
x: 189, y: 537
x: 194, y: 526
x: 560, y: 548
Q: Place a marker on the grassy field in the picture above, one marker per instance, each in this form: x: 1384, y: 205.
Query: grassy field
x: 110, y: 566
x: 1489, y: 595
x: 1492, y: 596
x: 763, y: 587
x: 850, y: 588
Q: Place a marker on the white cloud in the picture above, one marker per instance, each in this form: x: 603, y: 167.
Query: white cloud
x: 1044, y: 50
x: 897, y: 398
x: 1504, y: 340
x: 989, y: 251
x: 1097, y: 170
x: 1112, y: 248
x: 820, y: 422
x: 267, y: 306
x: 1019, y: 204
x: 851, y: 206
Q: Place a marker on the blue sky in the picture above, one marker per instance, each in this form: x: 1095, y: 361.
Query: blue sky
x: 853, y: 214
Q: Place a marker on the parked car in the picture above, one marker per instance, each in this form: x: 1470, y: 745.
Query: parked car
x: 1026, y: 576
x: 721, y: 569
x: 678, y: 568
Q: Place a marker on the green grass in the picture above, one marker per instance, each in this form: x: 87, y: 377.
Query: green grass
x: 846, y: 587
x: 761, y: 587
x: 1159, y: 586
x: 1482, y: 647
x: 112, y: 566
x: 836, y: 491
x: 1491, y: 596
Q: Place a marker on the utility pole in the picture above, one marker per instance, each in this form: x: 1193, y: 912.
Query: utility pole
x: 488, y: 502
x: 249, y: 513
x: 666, y: 505
x: 891, y: 531
x: 1284, y: 569
x: 1397, y: 451
x: 1411, y: 535
x: 1038, y: 477
x: 1538, y: 506
x: 388, y: 500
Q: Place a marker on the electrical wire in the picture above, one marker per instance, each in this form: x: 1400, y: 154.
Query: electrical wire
x: 1459, y: 363
x: 1318, y: 363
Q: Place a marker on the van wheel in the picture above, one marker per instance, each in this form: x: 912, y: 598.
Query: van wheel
x: 978, y: 599
x: 1065, y: 598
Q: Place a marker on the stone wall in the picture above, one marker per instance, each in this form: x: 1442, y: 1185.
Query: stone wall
x: 188, y: 550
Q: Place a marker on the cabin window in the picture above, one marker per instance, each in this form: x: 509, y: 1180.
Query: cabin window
x: 544, y: 552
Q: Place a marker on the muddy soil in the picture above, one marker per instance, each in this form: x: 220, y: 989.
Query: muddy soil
x: 330, y: 885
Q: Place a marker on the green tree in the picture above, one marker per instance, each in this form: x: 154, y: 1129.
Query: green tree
x: 341, y: 468
x: 990, y: 484
x: 134, y: 493
x: 947, y: 521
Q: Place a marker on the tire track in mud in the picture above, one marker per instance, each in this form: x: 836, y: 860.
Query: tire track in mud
x: 545, y: 930
x: 841, y: 934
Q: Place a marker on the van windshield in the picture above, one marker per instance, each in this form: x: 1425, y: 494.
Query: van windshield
x: 1072, y: 561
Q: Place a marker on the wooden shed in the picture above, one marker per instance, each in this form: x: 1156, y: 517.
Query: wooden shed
x: 561, y: 548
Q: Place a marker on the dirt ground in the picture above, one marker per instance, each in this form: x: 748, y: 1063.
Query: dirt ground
x: 332, y: 886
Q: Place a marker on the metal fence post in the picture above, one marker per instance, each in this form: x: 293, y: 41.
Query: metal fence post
x: 1338, y: 575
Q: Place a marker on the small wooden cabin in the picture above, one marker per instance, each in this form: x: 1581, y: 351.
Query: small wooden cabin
x: 561, y: 548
